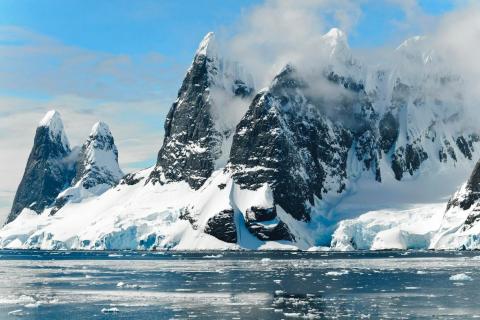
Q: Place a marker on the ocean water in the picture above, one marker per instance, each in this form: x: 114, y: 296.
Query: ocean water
x: 239, y: 285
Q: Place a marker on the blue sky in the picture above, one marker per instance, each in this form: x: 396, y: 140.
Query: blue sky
x: 123, y: 61
x: 172, y: 29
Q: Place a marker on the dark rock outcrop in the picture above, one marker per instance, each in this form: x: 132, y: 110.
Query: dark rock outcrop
x: 291, y: 144
x: 50, y: 168
x: 264, y: 224
x: 192, y: 142
x: 469, y: 194
x: 222, y: 226
x: 388, y: 129
x: 408, y: 159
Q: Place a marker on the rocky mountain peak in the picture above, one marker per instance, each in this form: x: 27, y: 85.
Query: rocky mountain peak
x: 208, y: 46
x: 97, y: 168
x: 199, y: 125
x: 49, y: 169
x: 52, y: 121
x: 98, y: 163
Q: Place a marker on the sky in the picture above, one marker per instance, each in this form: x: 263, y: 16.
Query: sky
x: 123, y: 61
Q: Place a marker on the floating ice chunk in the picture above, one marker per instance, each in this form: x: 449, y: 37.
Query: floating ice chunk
x: 292, y: 314
x: 336, y: 273
x: 17, y: 313
x: 122, y: 284
x: 213, y: 256
x: 115, y: 255
x: 316, y: 249
x: 110, y: 310
x: 460, y: 277
x: 265, y: 260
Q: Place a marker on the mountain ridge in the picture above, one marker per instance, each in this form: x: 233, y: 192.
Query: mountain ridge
x: 270, y: 168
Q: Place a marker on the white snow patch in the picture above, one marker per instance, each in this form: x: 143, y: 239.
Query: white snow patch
x: 460, y: 277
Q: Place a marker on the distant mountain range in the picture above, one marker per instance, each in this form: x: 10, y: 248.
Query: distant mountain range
x: 343, y: 154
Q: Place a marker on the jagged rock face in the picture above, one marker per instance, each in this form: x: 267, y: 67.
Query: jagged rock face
x: 222, y: 226
x: 49, y: 169
x: 404, y: 136
x: 264, y: 224
x: 469, y: 194
x: 388, y: 129
x: 98, y: 162
x: 192, y: 140
x: 97, y: 168
x: 286, y: 141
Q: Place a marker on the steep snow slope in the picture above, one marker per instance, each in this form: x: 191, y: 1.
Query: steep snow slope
x: 460, y: 228
x: 142, y: 216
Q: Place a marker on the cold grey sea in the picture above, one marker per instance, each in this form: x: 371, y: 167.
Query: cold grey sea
x: 239, y: 285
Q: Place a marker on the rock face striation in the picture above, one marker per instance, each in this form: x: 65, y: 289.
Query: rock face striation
x: 49, y: 169
x: 195, y: 132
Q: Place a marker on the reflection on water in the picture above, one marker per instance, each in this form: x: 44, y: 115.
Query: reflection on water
x: 238, y: 285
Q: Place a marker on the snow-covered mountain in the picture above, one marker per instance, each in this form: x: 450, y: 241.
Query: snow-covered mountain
x: 364, y: 153
x: 97, y: 168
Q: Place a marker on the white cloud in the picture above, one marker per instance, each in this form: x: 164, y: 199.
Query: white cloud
x: 280, y: 32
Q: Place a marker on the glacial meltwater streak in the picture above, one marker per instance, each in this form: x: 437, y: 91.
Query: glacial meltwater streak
x: 239, y: 285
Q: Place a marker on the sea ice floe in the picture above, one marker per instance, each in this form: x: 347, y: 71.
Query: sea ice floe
x: 110, y: 310
x: 336, y: 273
x: 17, y: 313
x: 213, y: 256
x: 460, y: 277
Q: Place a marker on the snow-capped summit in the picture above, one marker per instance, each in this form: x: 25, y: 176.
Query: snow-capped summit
x: 336, y: 37
x: 100, y: 129
x: 337, y: 45
x: 208, y: 46
x: 97, y: 169
x: 53, y: 121
x: 98, y: 162
x: 48, y: 169
x: 417, y: 50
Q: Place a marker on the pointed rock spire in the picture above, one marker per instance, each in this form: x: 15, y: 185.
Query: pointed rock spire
x: 48, y: 169
x: 193, y: 142
x: 98, y: 162
x: 208, y: 46
x: 97, y: 169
